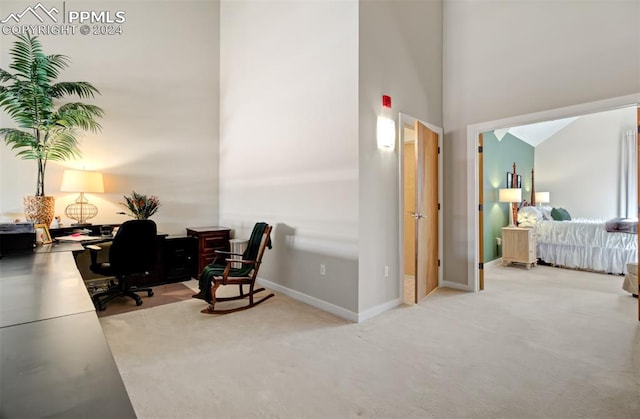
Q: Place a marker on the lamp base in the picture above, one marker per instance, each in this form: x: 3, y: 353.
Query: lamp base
x: 81, y: 211
x: 514, y: 215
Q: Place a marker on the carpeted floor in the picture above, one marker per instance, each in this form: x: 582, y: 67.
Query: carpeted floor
x: 543, y: 343
x: 162, y: 294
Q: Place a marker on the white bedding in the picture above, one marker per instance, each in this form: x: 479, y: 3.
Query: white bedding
x: 585, y: 244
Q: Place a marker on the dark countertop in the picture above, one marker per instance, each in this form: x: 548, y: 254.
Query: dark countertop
x: 54, y: 358
x: 41, y: 286
x: 62, y: 368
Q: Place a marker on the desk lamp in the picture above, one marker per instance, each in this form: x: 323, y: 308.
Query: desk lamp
x: 81, y: 181
x: 512, y: 196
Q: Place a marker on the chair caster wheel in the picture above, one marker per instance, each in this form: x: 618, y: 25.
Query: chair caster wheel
x: 139, y: 302
x: 102, y: 307
x: 150, y: 293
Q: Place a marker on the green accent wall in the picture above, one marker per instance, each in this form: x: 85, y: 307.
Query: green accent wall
x: 498, y: 159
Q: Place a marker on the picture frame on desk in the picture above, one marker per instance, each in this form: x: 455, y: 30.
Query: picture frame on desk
x: 42, y: 234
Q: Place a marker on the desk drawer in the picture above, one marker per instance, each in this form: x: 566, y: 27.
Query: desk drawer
x: 212, y: 243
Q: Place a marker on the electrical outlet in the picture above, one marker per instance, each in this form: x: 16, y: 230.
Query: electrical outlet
x: 323, y: 269
x: 386, y: 271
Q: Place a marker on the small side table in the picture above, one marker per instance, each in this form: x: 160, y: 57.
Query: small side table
x: 519, y: 246
x: 209, y: 240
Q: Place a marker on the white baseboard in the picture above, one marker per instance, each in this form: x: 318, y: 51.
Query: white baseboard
x: 374, y: 311
x: 312, y: 301
x: 328, y: 307
x: 454, y: 285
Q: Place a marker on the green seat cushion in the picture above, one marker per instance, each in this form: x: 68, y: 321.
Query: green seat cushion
x: 212, y: 270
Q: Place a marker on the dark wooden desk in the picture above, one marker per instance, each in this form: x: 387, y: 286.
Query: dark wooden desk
x: 176, y: 255
x: 54, y: 359
x: 94, y: 229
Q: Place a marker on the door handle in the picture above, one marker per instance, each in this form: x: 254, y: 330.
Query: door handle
x: 416, y: 215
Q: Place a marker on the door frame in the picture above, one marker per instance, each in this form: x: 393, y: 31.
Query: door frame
x: 407, y: 121
x: 473, y: 166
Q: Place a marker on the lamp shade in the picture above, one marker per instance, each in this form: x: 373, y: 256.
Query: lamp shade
x: 510, y: 195
x: 542, y: 197
x: 82, y: 181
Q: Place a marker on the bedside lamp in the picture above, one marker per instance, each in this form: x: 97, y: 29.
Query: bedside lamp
x: 542, y: 198
x: 512, y: 196
x: 81, y: 181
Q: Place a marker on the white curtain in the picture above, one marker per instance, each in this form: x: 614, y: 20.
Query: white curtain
x: 629, y: 175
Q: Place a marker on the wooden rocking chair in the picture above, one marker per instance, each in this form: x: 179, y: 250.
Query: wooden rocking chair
x: 226, y: 274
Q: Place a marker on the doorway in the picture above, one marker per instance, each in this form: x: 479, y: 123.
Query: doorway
x: 421, y: 216
x: 475, y: 166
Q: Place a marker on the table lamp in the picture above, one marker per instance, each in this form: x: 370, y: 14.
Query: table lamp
x: 81, y: 181
x: 542, y: 198
x: 512, y: 196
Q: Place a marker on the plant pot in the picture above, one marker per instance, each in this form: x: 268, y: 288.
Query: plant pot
x: 39, y: 209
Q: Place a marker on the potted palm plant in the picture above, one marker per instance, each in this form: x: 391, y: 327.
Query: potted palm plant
x: 47, y: 130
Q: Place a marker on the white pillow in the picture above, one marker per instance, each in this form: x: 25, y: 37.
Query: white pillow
x: 546, y: 212
x: 529, y: 217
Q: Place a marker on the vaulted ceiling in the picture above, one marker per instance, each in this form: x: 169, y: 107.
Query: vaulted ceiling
x: 534, y: 134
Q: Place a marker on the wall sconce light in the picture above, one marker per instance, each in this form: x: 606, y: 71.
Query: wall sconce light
x: 512, y: 196
x: 386, y: 125
x: 81, y: 181
x: 542, y: 198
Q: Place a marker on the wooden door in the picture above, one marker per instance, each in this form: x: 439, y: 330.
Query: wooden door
x: 426, y: 214
x: 410, y: 209
x: 480, y: 213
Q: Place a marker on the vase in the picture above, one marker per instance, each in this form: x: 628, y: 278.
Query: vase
x: 39, y: 209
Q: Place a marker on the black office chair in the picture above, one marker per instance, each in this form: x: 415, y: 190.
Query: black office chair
x: 133, y: 252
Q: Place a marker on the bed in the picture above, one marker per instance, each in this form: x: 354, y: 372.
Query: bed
x: 585, y: 244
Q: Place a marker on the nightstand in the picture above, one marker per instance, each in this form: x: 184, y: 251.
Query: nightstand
x: 519, y: 246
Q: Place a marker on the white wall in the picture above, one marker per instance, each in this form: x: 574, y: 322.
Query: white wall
x: 289, y: 140
x: 504, y: 59
x: 159, y: 85
x: 580, y: 164
x: 401, y: 56
x: 312, y: 96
